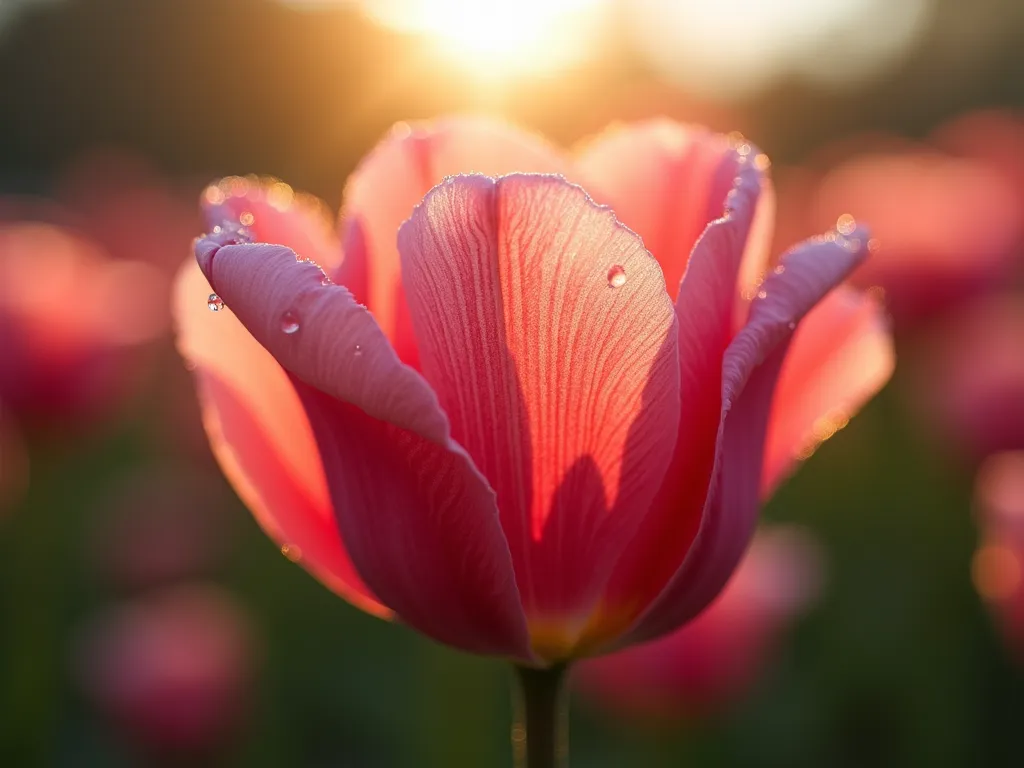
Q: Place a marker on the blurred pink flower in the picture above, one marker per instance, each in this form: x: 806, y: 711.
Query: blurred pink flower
x: 69, y: 315
x: 526, y: 449
x: 945, y: 227
x: 969, y: 377
x: 120, y: 200
x: 998, y: 565
x: 173, y: 671
x: 715, y: 660
x: 995, y: 139
x: 159, y: 526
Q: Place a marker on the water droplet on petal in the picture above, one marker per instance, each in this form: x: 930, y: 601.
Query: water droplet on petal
x: 874, y: 244
x: 292, y: 551
x: 358, y: 351
x: 325, y: 280
x: 616, y: 276
x: 214, y: 303
x: 289, y: 322
x: 762, y: 294
x: 246, y: 219
x: 780, y: 269
x: 846, y: 224
x: 762, y: 162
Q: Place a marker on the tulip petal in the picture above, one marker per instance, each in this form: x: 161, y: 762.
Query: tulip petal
x: 749, y: 372
x: 706, y: 309
x: 261, y: 437
x: 273, y: 212
x: 839, y: 358
x: 546, y: 331
x: 668, y: 181
x: 419, y: 521
x: 394, y: 178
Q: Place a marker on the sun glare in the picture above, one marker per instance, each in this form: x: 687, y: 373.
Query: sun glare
x: 498, y: 38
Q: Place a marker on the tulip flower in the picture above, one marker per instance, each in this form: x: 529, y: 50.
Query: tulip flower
x: 69, y: 316
x: 715, y: 659
x: 905, y: 190
x: 998, y: 565
x: 507, y: 422
x: 119, y: 200
x: 971, y: 374
x: 172, y: 671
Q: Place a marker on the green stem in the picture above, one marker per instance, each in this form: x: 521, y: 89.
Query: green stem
x: 540, y: 734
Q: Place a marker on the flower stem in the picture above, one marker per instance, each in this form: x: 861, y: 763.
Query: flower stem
x: 540, y: 733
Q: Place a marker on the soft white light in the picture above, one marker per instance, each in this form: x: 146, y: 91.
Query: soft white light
x: 498, y: 38
x: 730, y: 49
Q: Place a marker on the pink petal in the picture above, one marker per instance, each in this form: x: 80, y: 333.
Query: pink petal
x: 970, y: 378
x: 65, y: 342
x: 715, y: 659
x: 394, y: 178
x: 273, y: 212
x: 545, y: 329
x: 749, y: 372
x: 667, y: 181
x: 419, y: 521
x: 839, y: 358
x: 706, y: 308
x: 261, y: 437
x: 947, y: 227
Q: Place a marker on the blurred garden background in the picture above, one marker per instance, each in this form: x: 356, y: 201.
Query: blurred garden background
x: 144, y: 617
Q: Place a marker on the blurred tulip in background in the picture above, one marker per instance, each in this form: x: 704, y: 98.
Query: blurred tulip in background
x: 969, y: 381
x: 998, y: 565
x: 945, y: 227
x: 171, y: 671
x: 714, y: 661
x: 70, y: 320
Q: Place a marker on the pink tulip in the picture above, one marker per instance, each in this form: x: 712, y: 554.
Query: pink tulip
x: 535, y: 440
x: 119, y: 199
x: 971, y: 374
x: 998, y: 566
x: 945, y: 227
x: 994, y: 139
x: 716, y: 658
x: 172, y: 671
x: 69, y: 315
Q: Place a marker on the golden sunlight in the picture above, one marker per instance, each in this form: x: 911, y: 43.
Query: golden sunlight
x: 499, y: 39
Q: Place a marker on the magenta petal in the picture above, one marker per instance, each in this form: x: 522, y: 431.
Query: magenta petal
x: 749, y: 372
x: 545, y: 328
x: 417, y: 518
x: 272, y: 212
